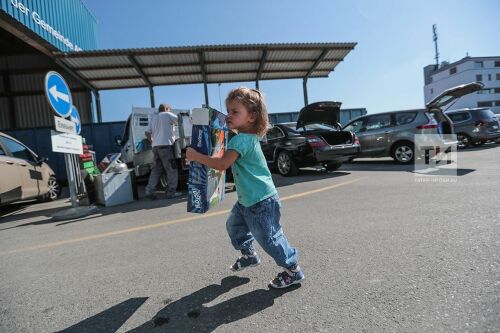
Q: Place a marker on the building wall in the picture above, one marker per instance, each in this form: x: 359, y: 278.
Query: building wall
x: 466, y: 72
x: 23, y: 103
x: 66, y: 24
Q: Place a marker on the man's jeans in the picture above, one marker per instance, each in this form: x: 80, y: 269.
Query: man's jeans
x: 163, y: 160
x: 261, y: 222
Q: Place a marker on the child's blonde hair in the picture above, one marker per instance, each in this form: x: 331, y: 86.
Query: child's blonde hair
x: 253, y: 100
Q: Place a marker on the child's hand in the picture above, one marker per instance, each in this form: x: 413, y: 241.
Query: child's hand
x: 191, y: 154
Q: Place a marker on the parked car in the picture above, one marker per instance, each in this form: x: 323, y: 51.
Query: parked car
x: 474, y: 126
x: 315, y: 139
x: 392, y: 134
x: 498, y: 119
x: 24, y: 174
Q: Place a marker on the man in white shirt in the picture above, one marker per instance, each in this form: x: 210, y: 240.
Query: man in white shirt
x: 161, y: 133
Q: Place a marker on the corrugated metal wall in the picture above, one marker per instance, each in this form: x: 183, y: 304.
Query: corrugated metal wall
x: 22, y: 68
x: 4, y: 114
x: 70, y: 18
x: 34, y: 111
x: 25, y: 75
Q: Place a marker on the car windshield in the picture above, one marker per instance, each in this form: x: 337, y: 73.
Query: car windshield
x: 309, y: 127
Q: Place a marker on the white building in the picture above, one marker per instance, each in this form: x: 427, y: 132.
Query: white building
x: 468, y: 69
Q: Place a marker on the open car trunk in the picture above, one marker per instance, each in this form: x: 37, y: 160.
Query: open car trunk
x: 334, y: 138
x: 447, y: 98
x: 451, y: 95
x: 327, y: 113
x: 444, y: 123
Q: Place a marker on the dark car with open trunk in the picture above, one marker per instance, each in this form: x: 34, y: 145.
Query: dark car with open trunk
x: 315, y: 139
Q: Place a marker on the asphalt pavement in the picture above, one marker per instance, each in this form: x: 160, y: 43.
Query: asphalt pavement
x: 382, y: 248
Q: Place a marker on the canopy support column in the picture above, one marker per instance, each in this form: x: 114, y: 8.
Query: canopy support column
x: 261, y: 68
x: 205, y: 87
x: 304, y: 87
x: 310, y: 71
x: 201, y: 57
x: 152, y: 96
x: 144, y: 77
x: 98, y: 105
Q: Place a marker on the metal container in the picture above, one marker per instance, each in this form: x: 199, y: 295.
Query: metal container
x: 114, y: 188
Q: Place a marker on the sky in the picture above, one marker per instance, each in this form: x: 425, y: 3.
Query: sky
x: 383, y: 73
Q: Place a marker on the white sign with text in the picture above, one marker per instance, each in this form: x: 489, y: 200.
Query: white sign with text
x: 64, y: 125
x: 66, y: 143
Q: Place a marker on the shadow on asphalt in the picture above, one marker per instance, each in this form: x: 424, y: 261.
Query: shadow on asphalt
x: 16, y: 212
x: 486, y: 146
x: 109, y: 320
x: 142, y: 204
x: 12, y: 209
x: 306, y: 175
x: 389, y: 165
x: 377, y: 165
x: 188, y: 314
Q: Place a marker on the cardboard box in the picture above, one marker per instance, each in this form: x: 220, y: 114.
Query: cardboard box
x: 206, y: 186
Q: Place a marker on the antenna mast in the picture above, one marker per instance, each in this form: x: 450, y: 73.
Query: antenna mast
x: 435, y: 38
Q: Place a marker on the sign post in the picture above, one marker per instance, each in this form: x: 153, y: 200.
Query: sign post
x: 71, y: 180
x: 66, y: 138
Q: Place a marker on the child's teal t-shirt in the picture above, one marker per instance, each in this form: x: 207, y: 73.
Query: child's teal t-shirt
x: 250, y: 172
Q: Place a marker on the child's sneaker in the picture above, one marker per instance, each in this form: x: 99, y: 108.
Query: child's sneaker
x: 287, y: 278
x: 245, y: 261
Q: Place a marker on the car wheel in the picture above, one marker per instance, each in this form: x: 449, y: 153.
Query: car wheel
x: 463, y: 141
x: 285, y: 164
x: 332, y: 166
x: 53, y: 190
x: 404, y: 152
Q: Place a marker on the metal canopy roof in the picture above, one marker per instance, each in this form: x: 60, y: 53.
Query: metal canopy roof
x: 149, y: 67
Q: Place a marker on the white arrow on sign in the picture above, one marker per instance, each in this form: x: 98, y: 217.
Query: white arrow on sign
x: 57, y: 94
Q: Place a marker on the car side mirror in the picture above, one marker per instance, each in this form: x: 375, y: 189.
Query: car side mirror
x: 42, y: 160
x: 118, y: 140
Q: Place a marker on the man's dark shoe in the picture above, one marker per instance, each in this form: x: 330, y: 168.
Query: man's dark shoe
x: 150, y: 196
x: 174, y: 195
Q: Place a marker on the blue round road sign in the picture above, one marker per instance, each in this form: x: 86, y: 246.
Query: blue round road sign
x: 75, y: 117
x: 58, y: 94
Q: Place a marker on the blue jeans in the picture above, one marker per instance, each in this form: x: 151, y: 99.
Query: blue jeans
x: 262, y: 223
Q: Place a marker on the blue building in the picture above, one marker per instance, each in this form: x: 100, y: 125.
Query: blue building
x: 31, y: 32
